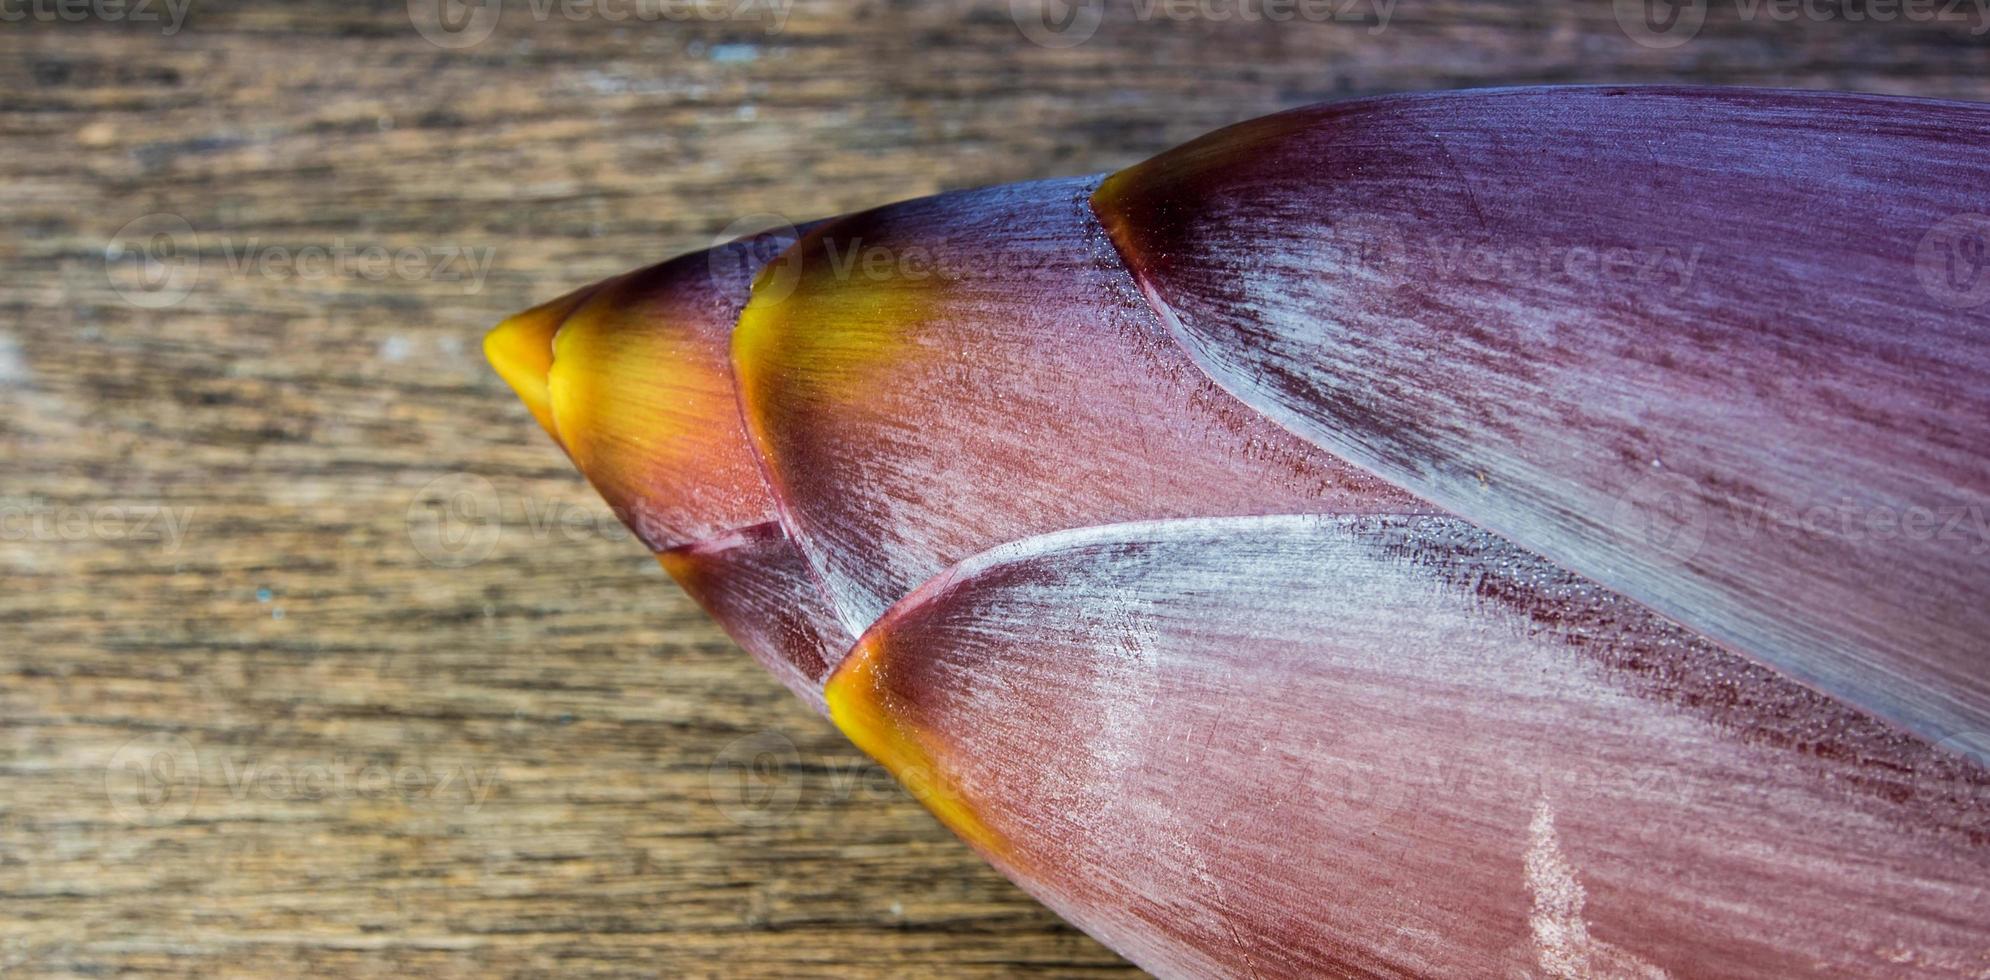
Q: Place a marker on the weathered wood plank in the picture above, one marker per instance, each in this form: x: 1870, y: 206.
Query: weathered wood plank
x: 299, y: 643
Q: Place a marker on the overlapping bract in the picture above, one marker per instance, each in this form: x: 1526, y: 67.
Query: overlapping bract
x: 997, y: 377
x: 1272, y: 594
x: 1259, y: 746
x: 1762, y: 351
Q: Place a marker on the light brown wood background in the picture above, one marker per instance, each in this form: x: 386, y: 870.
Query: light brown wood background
x: 316, y: 658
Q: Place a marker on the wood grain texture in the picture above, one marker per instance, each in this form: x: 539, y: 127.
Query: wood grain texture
x: 378, y: 560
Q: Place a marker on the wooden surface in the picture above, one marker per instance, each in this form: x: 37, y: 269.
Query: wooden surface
x: 316, y: 657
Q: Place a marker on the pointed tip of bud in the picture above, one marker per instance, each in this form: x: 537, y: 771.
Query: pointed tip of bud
x: 632, y: 377
x: 520, y: 349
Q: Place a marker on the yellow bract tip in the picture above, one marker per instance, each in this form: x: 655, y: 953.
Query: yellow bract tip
x: 859, y: 704
x: 822, y: 328
x: 521, y: 351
